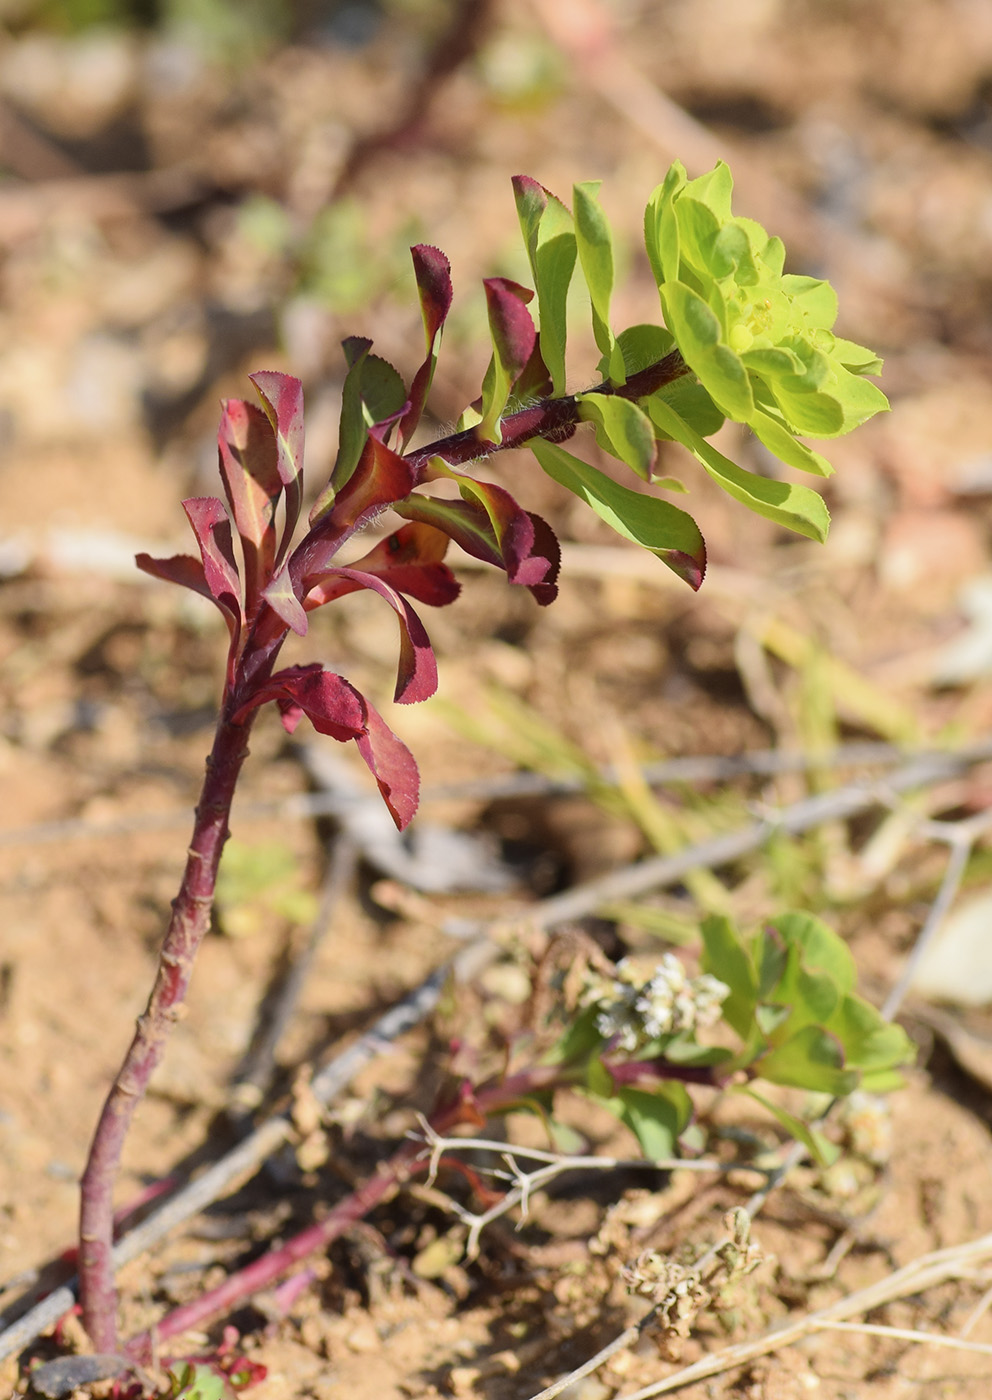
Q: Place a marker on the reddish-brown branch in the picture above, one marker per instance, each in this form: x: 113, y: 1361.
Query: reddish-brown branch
x: 554, y: 419
x: 467, y: 1107
x: 190, y: 920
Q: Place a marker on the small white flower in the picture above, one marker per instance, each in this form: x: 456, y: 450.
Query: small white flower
x: 633, y: 1011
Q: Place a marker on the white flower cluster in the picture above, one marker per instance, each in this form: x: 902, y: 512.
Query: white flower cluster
x: 632, y: 1011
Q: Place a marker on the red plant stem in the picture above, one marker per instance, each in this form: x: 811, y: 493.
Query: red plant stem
x: 554, y: 419
x: 472, y: 1107
x: 190, y: 920
x: 409, y: 1158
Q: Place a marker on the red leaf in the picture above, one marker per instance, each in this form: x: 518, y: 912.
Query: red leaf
x: 212, y: 528
x: 335, y: 707
x: 282, y: 399
x: 179, y: 568
x: 417, y: 675
x: 282, y: 396
x: 464, y: 522
x: 393, y: 766
x: 381, y: 477
x: 513, y: 332
x: 409, y: 560
x: 282, y: 599
x: 433, y: 273
x: 528, y: 547
x: 249, y: 471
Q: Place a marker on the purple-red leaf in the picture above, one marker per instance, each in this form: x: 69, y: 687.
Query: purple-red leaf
x: 462, y: 521
x: 492, y: 527
x: 409, y: 560
x: 513, y: 336
x: 179, y: 568
x: 282, y: 399
x: 335, y: 707
x: 284, y: 603
x: 250, y: 473
x: 533, y: 556
x: 417, y: 673
x: 433, y: 273
x: 393, y: 766
x: 531, y: 199
x: 381, y: 477
x: 528, y: 546
x: 510, y: 322
x: 212, y: 528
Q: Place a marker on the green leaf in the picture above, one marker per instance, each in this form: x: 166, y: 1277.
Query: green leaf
x: 770, y: 954
x: 779, y: 439
x: 698, y: 231
x: 372, y: 393
x: 693, y: 405
x: 622, y: 429
x: 551, y: 248
x: 595, y: 248
x: 812, y: 1059
x: 662, y: 528
x: 644, y: 345
x: 819, y: 947
x: 198, y: 1381
x: 814, y: 297
x: 725, y: 956
x: 857, y: 358
x: 699, y: 334
x: 812, y: 996
x: 661, y: 230
x: 580, y: 1039
x: 656, y: 1117
x: 796, y: 507
x: 859, y: 398
x: 821, y: 1149
x: 870, y: 1042
x: 714, y: 189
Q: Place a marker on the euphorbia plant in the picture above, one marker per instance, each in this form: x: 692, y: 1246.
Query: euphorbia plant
x: 741, y: 341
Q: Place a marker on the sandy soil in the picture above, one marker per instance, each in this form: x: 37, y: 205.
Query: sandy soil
x: 162, y: 236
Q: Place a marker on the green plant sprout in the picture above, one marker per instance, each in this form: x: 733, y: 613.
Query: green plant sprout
x: 742, y: 341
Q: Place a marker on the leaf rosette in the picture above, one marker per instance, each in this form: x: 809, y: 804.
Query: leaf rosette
x: 760, y: 341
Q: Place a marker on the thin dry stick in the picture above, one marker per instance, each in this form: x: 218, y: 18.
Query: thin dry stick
x: 555, y: 1164
x: 907, y: 1334
x: 960, y: 837
x: 258, y: 1067
x: 835, y: 805
x: 698, y: 768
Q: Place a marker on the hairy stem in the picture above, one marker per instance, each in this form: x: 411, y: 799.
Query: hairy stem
x: 555, y: 419
x: 190, y: 920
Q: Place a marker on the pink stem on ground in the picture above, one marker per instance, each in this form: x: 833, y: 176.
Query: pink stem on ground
x: 473, y: 1107
x: 190, y: 920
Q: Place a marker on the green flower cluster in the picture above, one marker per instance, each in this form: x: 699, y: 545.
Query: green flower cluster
x: 759, y: 341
